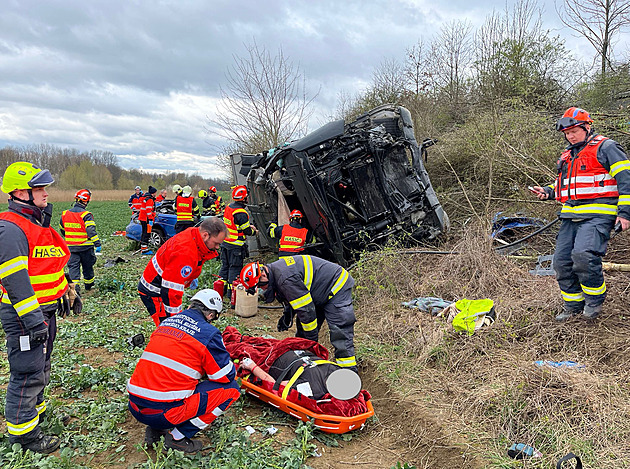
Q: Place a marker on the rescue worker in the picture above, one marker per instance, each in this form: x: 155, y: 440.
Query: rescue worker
x: 292, y: 237
x: 234, y: 250
x: 135, y: 201
x: 313, y: 289
x: 177, y: 189
x: 206, y: 202
x: 78, y: 227
x: 593, y: 185
x: 175, y: 265
x: 161, y: 196
x: 184, y: 379
x: 187, y: 209
x: 146, y: 218
x: 32, y: 259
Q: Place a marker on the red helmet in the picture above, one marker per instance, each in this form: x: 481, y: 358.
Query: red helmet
x: 239, y: 193
x: 573, y: 117
x: 295, y: 214
x: 212, y: 189
x: 250, y: 275
x: 83, y: 195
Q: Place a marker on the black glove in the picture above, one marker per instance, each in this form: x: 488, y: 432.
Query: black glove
x: 286, y: 320
x: 38, y: 335
x: 63, y: 306
x: 77, y: 306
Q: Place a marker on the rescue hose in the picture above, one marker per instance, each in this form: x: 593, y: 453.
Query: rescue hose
x: 525, y: 238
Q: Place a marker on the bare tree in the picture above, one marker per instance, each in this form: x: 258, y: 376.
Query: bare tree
x: 453, y: 54
x: 599, y: 21
x: 264, y: 102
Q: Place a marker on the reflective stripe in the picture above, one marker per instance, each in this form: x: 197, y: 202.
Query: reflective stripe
x: 173, y: 285
x: 310, y: 326
x: 341, y: 281
x: 308, y: 271
x: 23, y: 428
x: 222, y: 372
x: 602, y: 209
x: 197, y: 422
x: 156, y: 266
x: 172, y: 364
x: 73, y: 225
x: 152, y: 288
x: 624, y: 200
x: 594, y: 291
x: 172, y: 309
x: 40, y: 408
x: 618, y: 167
x: 47, y: 278
x: 25, y: 306
x: 287, y: 388
x: 589, y: 190
x: 301, y: 301
x: 14, y: 265
x: 347, y: 361
x: 572, y: 296
x: 218, y: 412
x: 159, y: 395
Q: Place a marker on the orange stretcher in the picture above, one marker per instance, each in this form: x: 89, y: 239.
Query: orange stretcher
x: 324, y: 422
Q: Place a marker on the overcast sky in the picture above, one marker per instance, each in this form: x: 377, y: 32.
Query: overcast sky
x: 140, y: 78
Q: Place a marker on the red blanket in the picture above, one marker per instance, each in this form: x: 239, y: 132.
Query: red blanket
x: 265, y: 351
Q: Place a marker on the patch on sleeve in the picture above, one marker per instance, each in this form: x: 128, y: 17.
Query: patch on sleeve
x: 186, y: 271
x: 289, y: 260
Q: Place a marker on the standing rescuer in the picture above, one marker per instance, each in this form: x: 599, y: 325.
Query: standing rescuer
x: 32, y: 259
x: 187, y: 209
x: 146, y: 219
x: 593, y: 185
x: 78, y: 227
x: 315, y: 290
x: 292, y: 237
x: 135, y: 201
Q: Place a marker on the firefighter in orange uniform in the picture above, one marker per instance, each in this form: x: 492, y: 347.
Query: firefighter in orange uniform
x: 176, y: 264
x: 187, y: 209
x: 78, y: 228
x: 161, y: 197
x: 32, y: 259
x: 146, y: 218
x: 292, y: 236
x: 184, y: 379
x: 234, y: 249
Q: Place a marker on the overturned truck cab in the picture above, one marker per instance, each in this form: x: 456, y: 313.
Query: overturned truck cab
x: 357, y: 184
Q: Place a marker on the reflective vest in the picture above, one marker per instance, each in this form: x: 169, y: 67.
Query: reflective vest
x: 147, y: 211
x: 184, y: 207
x: 235, y: 236
x: 136, y: 205
x: 292, y: 239
x: 217, y: 204
x: 585, y: 177
x: 74, y: 226
x: 48, y: 255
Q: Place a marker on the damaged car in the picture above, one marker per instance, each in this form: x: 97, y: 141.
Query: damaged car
x: 357, y: 184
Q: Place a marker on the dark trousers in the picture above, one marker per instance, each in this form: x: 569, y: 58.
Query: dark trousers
x: 580, y: 246
x: 82, y: 260
x: 231, y: 263
x: 182, y: 225
x: 29, y: 375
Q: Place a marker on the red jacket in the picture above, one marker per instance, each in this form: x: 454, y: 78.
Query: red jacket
x: 292, y: 239
x: 147, y: 212
x: 173, y: 267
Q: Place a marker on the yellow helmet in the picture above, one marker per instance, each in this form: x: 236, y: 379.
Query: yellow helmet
x: 22, y: 175
x: 203, y: 193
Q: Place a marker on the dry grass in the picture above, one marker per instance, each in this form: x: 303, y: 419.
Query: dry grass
x: 59, y: 195
x: 485, y: 388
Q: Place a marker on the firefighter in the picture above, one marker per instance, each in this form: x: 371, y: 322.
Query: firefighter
x: 593, y: 185
x: 161, y: 196
x: 32, y: 260
x: 184, y: 379
x: 78, y: 227
x: 187, y: 209
x: 234, y: 249
x: 177, y: 189
x: 206, y: 202
x: 292, y: 236
x: 313, y: 289
x: 135, y: 201
x: 176, y: 264
x: 146, y: 218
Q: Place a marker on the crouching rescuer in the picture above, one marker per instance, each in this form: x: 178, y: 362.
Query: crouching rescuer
x: 184, y: 379
x: 32, y: 259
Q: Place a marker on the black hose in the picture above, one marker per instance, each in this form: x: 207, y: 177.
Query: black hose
x: 525, y: 238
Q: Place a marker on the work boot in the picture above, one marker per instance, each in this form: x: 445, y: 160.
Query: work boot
x: 591, y: 312
x: 185, y: 444
x: 566, y: 314
x: 44, y: 444
x: 153, y: 435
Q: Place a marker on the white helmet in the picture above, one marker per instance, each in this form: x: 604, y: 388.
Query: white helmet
x: 186, y: 191
x: 177, y: 188
x: 210, y: 299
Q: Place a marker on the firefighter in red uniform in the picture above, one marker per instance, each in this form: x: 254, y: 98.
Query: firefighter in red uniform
x: 292, y: 236
x: 32, y: 259
x: 146, y: 218
x: 184, y: 379
x: 78, y: 227
x: 187, y: 209
x: 234, y: 249
x: 593, y: 185
x: 176, y: 264
x: 135, y: 201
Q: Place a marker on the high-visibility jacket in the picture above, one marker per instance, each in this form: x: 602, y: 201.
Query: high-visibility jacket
x: 173, y: 268
x: 159, y: 198
x: 78, y: 227
x: 135, y: 202
x: 217, y: 204
x: 236, y: 220
x: 182, y: 350
x: 184, y: 207
x: 44, y: 262
x: 147, y: 212
x: 306, y: 282
x: 292, y: 239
